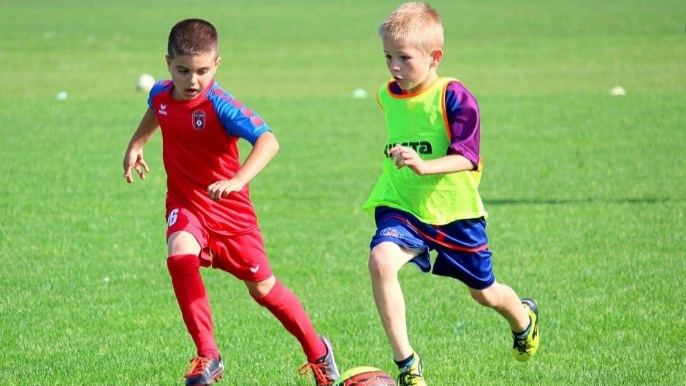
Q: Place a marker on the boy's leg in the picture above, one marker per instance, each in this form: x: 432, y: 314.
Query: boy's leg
x: 505, y: 301
x: 184, y: 267
x: 286, y: 307
x: 185, y: 241
x: 399, y: 238
x: 244, y: 257
x: 385, y: 261
x: 463, y: 254
x: 521, y: 314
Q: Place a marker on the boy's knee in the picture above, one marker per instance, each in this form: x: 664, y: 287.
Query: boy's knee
x: 267, y: 293
x: 261, y: 289
x: 381, y: 263
x: 182, y: 243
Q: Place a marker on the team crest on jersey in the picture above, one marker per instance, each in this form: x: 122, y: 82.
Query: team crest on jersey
x: 198, y: 119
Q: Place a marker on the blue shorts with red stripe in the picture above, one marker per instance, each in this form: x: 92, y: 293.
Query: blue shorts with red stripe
x: 461, y: 246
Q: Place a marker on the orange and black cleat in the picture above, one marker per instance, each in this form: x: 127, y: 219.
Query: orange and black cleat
x: 324, y: 369
x: 204, y: 371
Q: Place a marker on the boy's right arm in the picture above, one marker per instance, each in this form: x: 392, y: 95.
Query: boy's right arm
x: 133, y: 159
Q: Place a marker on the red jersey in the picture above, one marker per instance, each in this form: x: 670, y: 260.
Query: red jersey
x: 199, y: 148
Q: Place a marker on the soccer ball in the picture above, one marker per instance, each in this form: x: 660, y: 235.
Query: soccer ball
x: 617, y: 91
x: 364, y: 376
x: 145, y: 83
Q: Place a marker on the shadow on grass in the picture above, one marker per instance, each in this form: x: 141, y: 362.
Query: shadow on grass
x: 568, y: 201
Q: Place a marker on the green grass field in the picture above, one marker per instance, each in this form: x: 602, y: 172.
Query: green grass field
x: 586, y: 191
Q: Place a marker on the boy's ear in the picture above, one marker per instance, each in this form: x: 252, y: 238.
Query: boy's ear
x: 436, y: 56
x: 168, y: 59
x: 216, y: 61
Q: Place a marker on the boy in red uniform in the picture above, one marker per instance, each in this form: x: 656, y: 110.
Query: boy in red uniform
x: 210, y: 219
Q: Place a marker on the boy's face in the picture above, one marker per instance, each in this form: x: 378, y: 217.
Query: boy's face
x: 192, y: 74
x: 413, y: 69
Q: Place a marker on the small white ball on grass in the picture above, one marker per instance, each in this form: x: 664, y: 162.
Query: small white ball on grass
x: 359, y: 93
x: 62, y: 95
x: 145, y: 82
x: 617, y: 91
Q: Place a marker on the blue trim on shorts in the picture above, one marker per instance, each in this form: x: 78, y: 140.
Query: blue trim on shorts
x: 461, y: 246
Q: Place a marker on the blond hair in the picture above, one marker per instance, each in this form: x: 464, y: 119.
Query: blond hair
x: 418, y: 23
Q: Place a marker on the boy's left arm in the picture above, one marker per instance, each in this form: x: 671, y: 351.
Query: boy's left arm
x: 265, y: 148
x: 451, y: 163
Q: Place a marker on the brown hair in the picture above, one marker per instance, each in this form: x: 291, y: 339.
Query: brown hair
x: 192, y: 37
x: 418, y: 23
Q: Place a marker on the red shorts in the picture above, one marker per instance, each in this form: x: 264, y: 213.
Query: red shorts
x: 242, y: 256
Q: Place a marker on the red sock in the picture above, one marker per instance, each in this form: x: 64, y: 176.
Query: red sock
x: 192, y: 298
x: 281, y: 302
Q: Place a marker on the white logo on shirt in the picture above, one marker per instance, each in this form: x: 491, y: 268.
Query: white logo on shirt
x: 163, y: 110
x: 255, y: 268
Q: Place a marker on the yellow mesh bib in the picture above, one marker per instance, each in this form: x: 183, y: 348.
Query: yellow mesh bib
x: 419, y: 121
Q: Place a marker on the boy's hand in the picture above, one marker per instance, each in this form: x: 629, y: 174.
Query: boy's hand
x: 133, y: 159
x: 407, y: 156
x: 221, y: 189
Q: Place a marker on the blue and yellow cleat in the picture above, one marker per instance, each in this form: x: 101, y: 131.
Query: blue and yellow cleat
x: 525, y: 347
x: 411, y: 375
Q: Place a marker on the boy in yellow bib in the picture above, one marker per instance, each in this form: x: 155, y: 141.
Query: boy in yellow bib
x: 427, y: 196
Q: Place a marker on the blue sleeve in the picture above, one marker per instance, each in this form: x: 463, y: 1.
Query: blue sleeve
x: 237, y: 119
x: 156, y: 89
